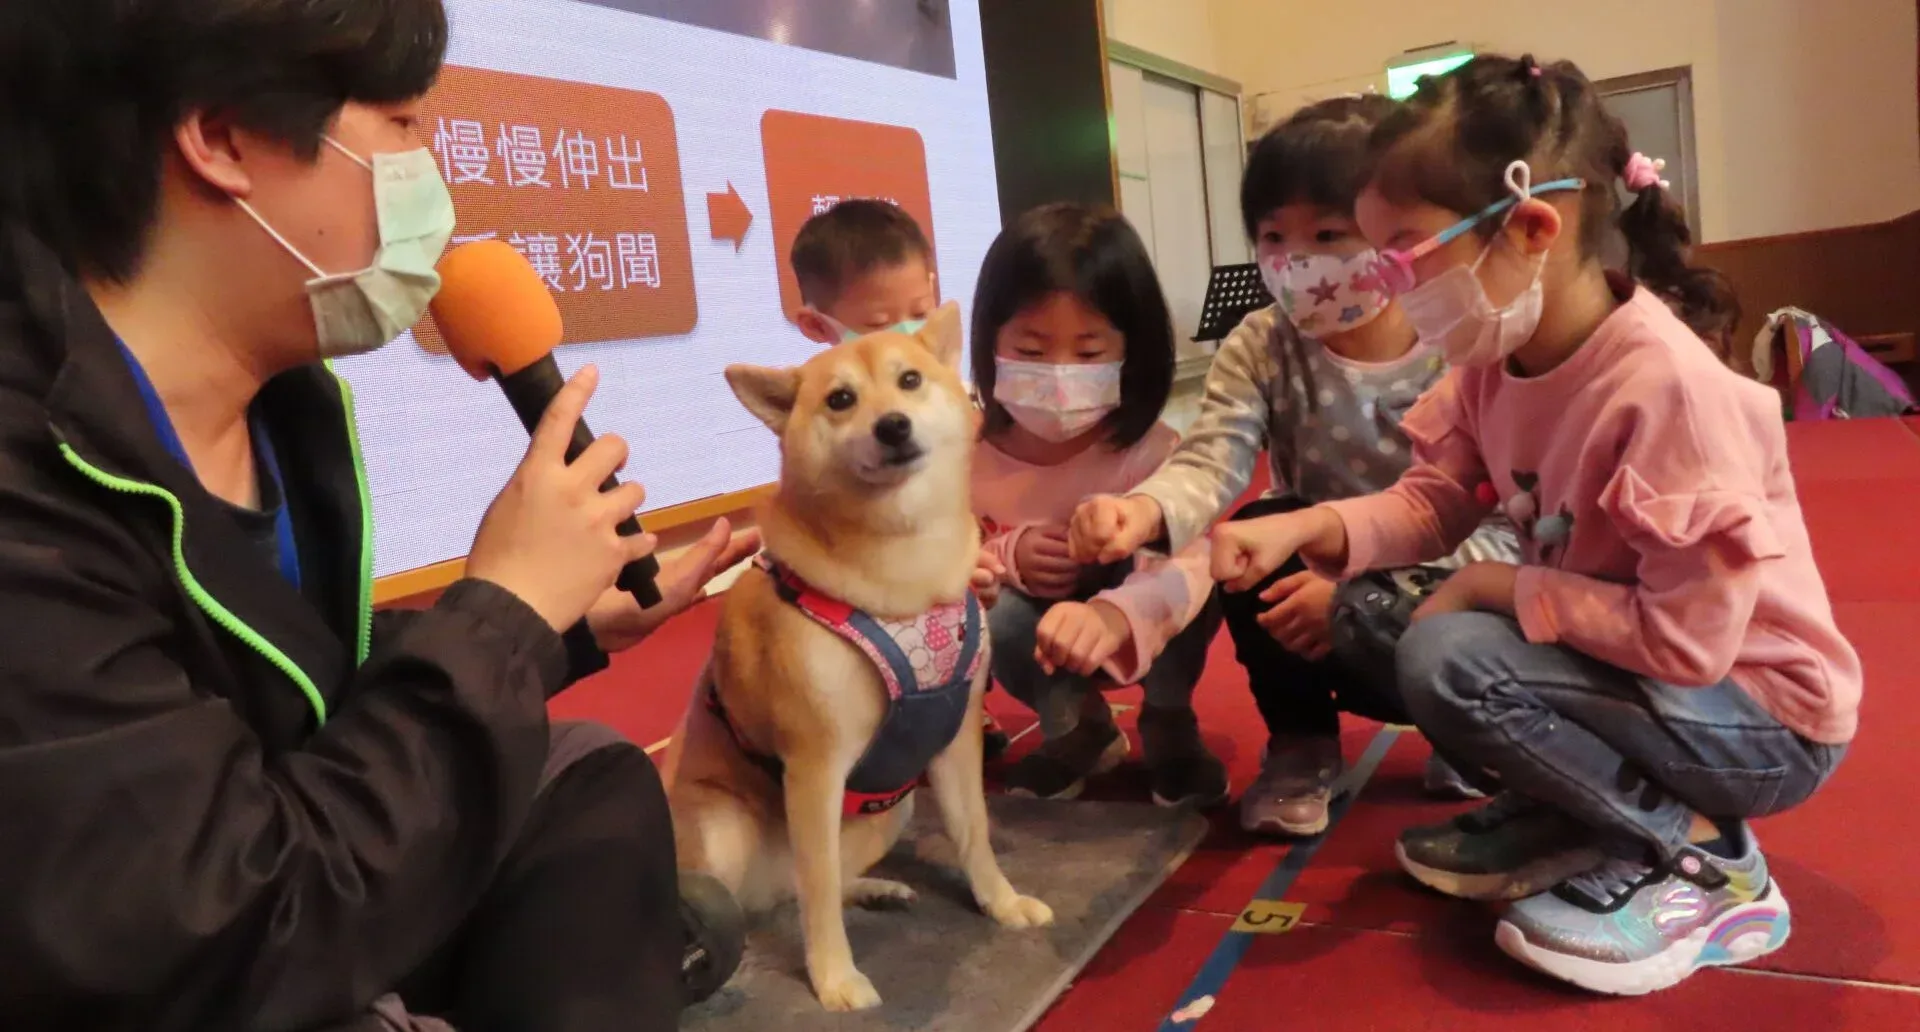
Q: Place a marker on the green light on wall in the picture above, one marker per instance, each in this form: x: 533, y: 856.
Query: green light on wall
x: 1402, y: 80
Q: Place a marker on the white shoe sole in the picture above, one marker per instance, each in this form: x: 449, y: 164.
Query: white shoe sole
x: 1747, y: 932
x: 1112, y: 756
x: 1533, y: 878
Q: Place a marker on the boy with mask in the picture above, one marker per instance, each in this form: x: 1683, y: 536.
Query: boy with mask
x: 1318, y: 381
x: 863, y: 266
x: 237, y: 797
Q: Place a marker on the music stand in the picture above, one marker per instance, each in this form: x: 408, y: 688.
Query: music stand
x: 1232, y: 293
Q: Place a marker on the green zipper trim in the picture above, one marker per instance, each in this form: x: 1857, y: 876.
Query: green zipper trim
x: 201, y: 597
x: 365, y: 643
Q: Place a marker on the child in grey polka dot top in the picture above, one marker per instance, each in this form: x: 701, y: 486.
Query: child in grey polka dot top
x: 1319, y: 382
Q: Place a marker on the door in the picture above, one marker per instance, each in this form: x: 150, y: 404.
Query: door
x: 1657, y: 108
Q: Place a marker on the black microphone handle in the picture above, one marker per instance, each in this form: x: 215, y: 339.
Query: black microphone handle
x: 530, y: 391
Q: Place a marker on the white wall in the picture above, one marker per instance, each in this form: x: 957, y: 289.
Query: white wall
x: 1804, y: 110
x: 1178, y: 30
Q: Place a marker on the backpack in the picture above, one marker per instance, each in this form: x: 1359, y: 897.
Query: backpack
x: 1837, y: 378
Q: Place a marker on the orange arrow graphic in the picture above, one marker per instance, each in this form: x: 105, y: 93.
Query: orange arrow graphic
x: 729, y: 217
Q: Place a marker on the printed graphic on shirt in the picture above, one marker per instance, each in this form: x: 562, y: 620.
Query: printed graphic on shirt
x: 1545, y: 536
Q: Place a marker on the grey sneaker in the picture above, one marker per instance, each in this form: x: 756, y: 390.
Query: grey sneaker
x: 1443, y: 782
x: 1509, y: 849
x: 1627, y: 927
x: 1297, y: 780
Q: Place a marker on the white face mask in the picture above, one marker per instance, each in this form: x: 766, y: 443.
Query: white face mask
x: 1451, y: 312
x: 1056, y: 402
x: 357, y: 312
x: 908, y: 327
x: 1323, y: 294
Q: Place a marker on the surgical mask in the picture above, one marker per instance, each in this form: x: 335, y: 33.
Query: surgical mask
x: 847, y: 333
x: 1451, y: 311
x: 1324, y: 294
x: 1056, y: 402
x: 358, y: 312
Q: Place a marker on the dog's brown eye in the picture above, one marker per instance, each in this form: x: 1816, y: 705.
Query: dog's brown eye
x: 910, y: 380
x: 841, y: 400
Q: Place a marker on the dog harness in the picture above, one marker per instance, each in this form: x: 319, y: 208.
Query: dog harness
x: 928, y: 665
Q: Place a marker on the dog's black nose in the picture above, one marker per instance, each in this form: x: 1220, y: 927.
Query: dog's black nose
x: 893, y: 429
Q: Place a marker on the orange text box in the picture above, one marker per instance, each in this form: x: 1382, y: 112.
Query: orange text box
x: 585, y: 182
x: 815, y: 162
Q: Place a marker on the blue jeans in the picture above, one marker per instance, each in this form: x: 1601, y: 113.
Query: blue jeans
x: 1624, y: 754
x: 1057, y: 698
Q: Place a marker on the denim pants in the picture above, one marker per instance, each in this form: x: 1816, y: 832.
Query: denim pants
x: 1624, y: 754
x: 1057, y: 698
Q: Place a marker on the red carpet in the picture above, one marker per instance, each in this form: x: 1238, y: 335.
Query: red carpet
x: 1374, y: 952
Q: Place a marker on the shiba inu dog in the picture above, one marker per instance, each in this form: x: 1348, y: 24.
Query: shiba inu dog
x: 851, y: 659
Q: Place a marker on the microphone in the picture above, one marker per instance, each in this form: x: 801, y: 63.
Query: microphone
x: 497, y: 317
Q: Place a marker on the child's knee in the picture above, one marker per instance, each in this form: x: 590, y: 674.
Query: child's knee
x: 1448, y: 663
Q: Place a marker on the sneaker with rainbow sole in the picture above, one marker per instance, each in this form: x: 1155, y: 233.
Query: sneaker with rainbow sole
x: 1626, y: 928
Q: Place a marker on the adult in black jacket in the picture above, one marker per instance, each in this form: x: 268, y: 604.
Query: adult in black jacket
x: 231, y: 795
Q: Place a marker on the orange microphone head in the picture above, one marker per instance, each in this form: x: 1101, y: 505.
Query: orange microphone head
x: 493, y: 310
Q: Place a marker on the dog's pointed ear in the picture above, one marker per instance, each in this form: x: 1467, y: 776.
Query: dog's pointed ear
x: 942, y: 334
x: 767, y: 393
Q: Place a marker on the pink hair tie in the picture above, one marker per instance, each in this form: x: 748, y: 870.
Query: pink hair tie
x: 1533, y: 70
x: 1643, y: 173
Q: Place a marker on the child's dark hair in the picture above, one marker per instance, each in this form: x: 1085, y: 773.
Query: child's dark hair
x: 1091, y: 252
x: 1317, y: 156
x: 1450, y: 143
x: 849, y: 240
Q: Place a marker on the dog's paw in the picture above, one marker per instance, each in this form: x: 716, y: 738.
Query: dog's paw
x: 1018, y: 911
x: 880, y: 894
x: 850, y: 991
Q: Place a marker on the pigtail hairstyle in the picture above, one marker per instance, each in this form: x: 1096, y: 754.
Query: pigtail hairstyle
x: 1450, y: 143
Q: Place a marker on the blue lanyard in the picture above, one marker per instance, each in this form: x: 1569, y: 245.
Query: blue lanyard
x: 263, y: 453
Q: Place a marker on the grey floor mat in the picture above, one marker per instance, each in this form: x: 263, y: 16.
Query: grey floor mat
x: 942, y: 965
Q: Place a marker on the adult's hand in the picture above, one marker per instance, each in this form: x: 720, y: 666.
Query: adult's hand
x: 550, y: 537
x: 619, y: 623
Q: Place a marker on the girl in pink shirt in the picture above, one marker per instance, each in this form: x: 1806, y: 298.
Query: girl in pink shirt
x: 1073, y: 358
x: 1664, y: 663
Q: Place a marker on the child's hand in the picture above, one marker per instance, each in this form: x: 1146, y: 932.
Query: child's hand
x: 1246, y: 552
x: 1484, y: 586
x: 1046, y: 567
x: 987, y: 575
x: 1302, y: 619
x: 1079, y: 637
x: 1106, y: 529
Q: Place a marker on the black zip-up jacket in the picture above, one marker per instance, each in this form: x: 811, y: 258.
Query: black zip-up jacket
x: 225, y: 803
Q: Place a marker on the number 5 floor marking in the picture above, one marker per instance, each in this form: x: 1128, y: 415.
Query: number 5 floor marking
x: 1268, y: 912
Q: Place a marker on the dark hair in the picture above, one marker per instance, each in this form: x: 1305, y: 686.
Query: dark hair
x: 1092, y: 253
x: 1317, y: 156
x: 90, y: 91
x: 849, y: 240
x: 1451, y: 142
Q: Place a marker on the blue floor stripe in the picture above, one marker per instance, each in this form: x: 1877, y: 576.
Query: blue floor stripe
x: 1219, y: 967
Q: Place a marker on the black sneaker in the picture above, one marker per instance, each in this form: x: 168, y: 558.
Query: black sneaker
x: 1184, y: 773
x: 1508, y: 849
x: 993, y: 741
x: 716, y: 931
x: 1060, y: 767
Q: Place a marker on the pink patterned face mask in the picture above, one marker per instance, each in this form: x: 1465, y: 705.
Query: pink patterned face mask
x: 1056, y: 402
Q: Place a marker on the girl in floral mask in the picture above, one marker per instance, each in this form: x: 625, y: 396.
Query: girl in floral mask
x: 1663, y: 664
x: 1319, y: 381
x: 1073, y: 358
